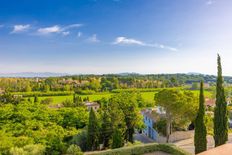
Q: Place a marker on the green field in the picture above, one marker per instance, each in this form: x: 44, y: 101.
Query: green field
x: 147, y: 96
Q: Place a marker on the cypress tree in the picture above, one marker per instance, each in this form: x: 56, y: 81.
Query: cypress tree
x: 36, y: 99
x: 117, y: 139
x: 200, y: 140
x: 106, y: 127
x: 92, y: 134
x: 220, y: 111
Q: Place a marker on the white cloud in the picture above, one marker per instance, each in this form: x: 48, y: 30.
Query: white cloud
x: 49, y: 30
x: 57, y: 29
x: 93, y: 38
x: 65, y: 33
x: 131, y: 41
x: 71, y: 26
x: 1, y: 26
x: 20, y: 28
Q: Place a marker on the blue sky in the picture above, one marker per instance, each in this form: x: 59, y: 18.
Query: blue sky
x: 114, y: 36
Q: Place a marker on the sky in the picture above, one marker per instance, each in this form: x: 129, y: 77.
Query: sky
x: 115, y: 36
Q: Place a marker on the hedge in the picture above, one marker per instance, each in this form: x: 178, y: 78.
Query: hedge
x: 142, y: 149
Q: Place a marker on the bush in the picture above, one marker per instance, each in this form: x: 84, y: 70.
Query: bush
x: 74, y: 150
x: 141, y: 149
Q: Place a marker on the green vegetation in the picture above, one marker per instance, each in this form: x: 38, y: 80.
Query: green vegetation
x: 142, y: 149
x: 48, y: 115
x: 180, y: 107
x: 220, y: 112
x: 200, y: 134
x: 93, y: 131
x: 35, y: 126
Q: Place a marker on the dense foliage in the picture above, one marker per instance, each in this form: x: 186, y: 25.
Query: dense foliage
x: 36, y: 126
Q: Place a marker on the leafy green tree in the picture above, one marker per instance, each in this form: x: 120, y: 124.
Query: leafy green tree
x: 200, y: 140
x: 180, y: 107
x: 127, y: 103
x: 220, y: 111
x: 93, y: 131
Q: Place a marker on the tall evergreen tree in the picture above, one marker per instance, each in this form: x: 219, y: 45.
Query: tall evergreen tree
x: 92, y: 135
x: 118, y: 140
x: 106, y: 127
x: 220, y: 111
x: 36, y: 99
x: 200, y: 140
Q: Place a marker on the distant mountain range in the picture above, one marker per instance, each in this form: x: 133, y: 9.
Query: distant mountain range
x: 33, y: 74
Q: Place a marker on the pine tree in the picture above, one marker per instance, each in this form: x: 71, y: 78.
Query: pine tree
x: 92, y: 135
x: 220, y: 111
x: 200, y: 140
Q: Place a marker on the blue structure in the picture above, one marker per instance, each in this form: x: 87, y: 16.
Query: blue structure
x: 149, y: 118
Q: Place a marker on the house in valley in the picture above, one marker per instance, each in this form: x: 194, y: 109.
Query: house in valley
x: 93, y: 105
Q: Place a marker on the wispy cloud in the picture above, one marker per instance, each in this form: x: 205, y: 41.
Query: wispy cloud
x: 57, y: 29
x: 71, y: 26
x: 1, y: 25
x: 128, y: 41
x: 49, y: 30
x: 132, y: 41
x: 93, y: 38
x: 20, y: 28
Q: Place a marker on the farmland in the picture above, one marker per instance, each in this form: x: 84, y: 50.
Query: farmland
x: 147, y: 96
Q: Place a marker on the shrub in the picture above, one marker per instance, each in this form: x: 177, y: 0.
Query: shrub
x: 74, y: 150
